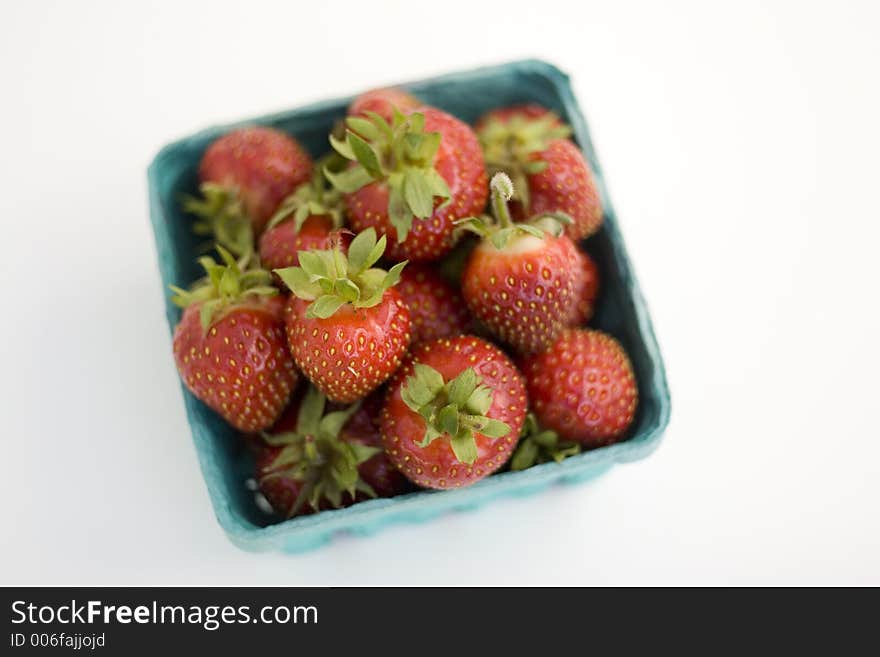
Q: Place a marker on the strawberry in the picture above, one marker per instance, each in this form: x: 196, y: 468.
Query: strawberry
x: 307, y: 219
x: 280, y: 244
x: 583, y: 388
x: 347, y: 327
x: 518, y: 281
x: 230, y: 347
x: 550, y: 174
x: 540, y: 446
x: 585, y: 290
x: 383, y: 102
x: 520, y: 113
x: 309, y: 465
x: 436, y: 309
x: 244, y: 176
x: 453, y: 412
x: 411, y: 179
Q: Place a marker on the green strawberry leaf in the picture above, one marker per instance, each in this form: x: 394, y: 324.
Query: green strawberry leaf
x: 310, y: 411
x: 299, y: 282
x: 464, y: 446
x: 360, y: 248
x: 462, y: 386
x: 431, y: 434
x: 365, y: 155
x: 494, y: 428
x: 417, y: 193
x: 363, y: 453
x: 416, y: 121
x: 480, y: 400
x: 313, y: 264
x: 531, y: 230
x: 447, y: 419
x: 381, y: 124
x: 432, y: 379
x: 418, y: 392
x: 332, y: 423
x: 342, y: 147
x: 547, y: 439
x: 398, y: 211
x: 526, y: 456
x: 392, y: 278
x: 428, y: 148
x: 437, y: 184
x: 347, y: 290
x: 324, y: 306
x: 206, y: 313
x: 350, y: 180
x: 363, y: 127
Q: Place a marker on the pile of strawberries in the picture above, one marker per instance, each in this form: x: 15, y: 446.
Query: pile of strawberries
x: 407, y: 311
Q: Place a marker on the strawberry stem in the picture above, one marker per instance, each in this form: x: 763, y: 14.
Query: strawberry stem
x: 502, y: 191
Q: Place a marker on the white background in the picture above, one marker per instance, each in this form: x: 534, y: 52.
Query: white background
x: 742, y: 150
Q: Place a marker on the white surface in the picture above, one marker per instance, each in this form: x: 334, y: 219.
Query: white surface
x: 741, y: 147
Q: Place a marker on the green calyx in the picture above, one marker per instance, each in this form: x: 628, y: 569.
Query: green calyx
x: 227, y: 284
x: 401, y: 154
x: 454, y: 410
x: 222, y: 218
x: 314, y: 455
x: 315, y: 197
x: 540, y: 446
x: 510, y: 145
x: 330, y: 279
x: 501, y: 229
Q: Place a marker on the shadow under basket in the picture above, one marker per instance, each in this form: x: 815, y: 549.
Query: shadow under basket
x: 226, y: 464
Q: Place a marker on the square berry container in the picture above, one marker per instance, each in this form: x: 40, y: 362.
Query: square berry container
x: 226, y: 464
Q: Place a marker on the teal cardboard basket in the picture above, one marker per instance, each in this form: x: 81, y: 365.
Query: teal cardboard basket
x: 226, y: 464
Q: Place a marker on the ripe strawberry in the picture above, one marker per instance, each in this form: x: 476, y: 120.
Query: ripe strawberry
x: 244, y: 177
x: 583, y: 387
x: 521, y: 113
x: 383, y: 102
x: 454, y: 412
x: 519, y: 279
x: 346, y: 325
x: 411, y: 179
x: 307, y: 219
x: 315, y: 460
x: 436, y: 309
x: 550, y: 174
x: 584, y: 291
x: 280, y: 244
x: 230, y: 348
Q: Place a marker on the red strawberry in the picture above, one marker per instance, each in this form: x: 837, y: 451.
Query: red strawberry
x: 518, y: 281
x: 316, y: 460
x: 454, y: 412
x: 549, y: 171
x: 527, y: 111
x: 436, y: 309
x: 583, y: 387
x: 383, y: 102
x: 280, y: 244
x: 346, y: 325
x: 585, y: 290
x: 307, y: 219
x: 245, y: 175
x: 411, y: 180
x: 230, y: 348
